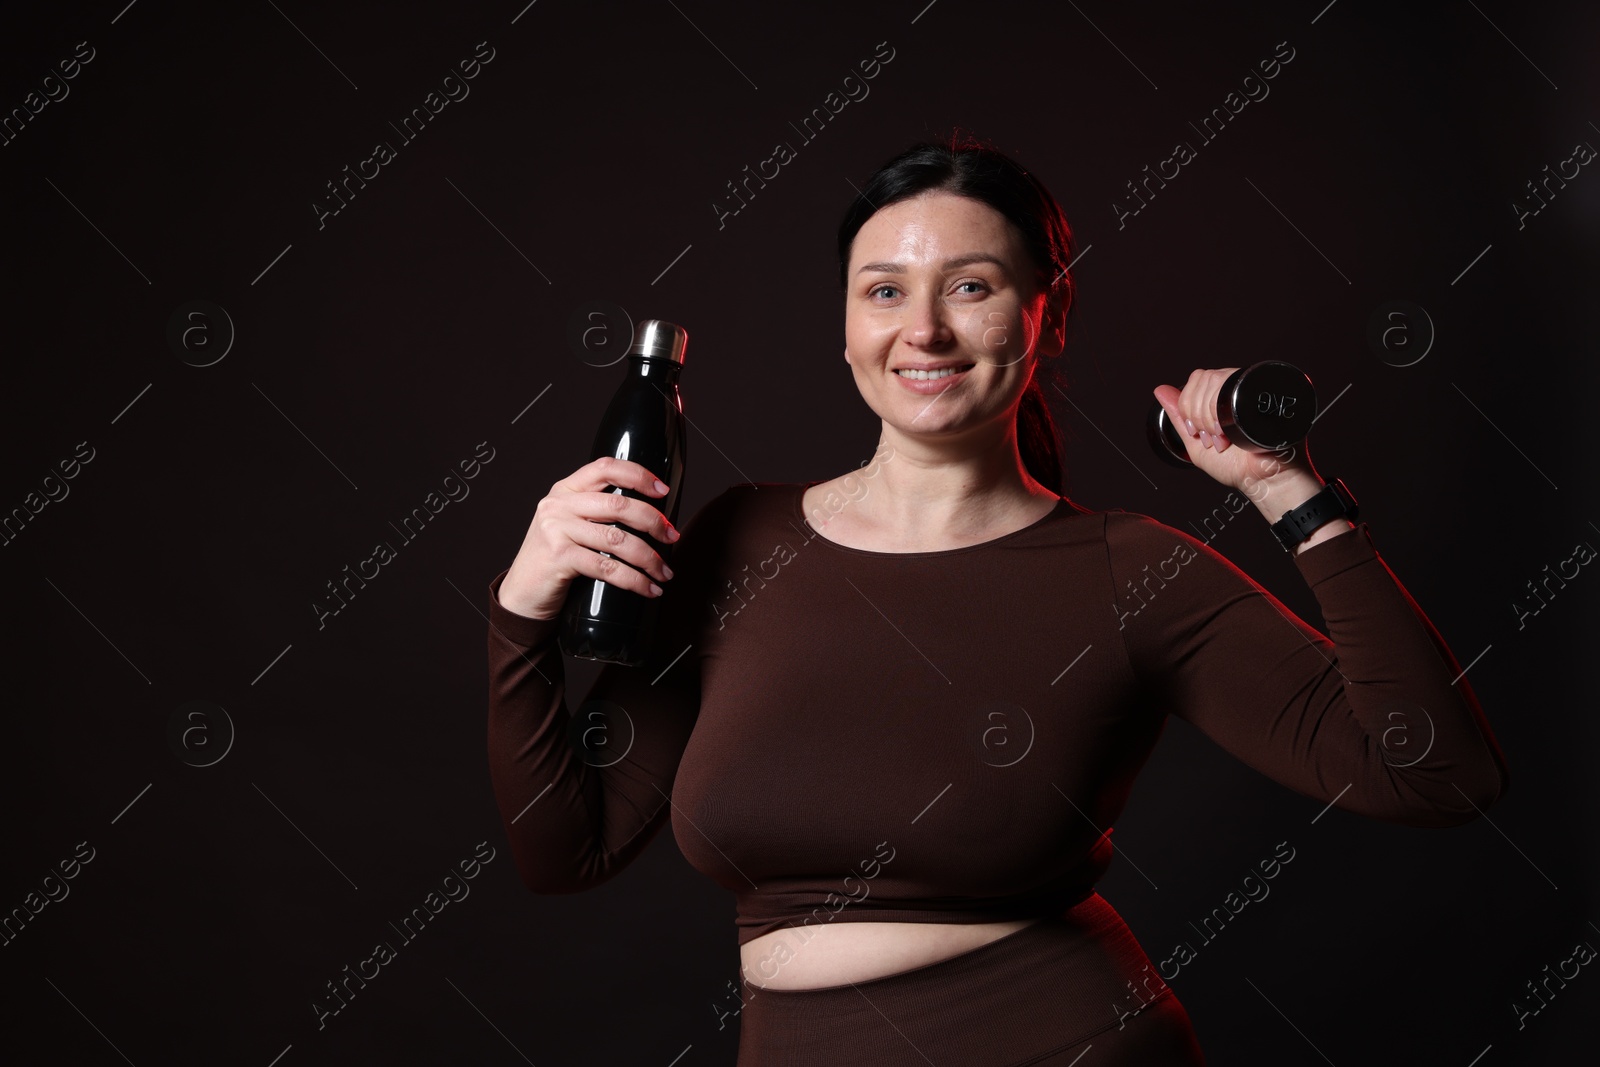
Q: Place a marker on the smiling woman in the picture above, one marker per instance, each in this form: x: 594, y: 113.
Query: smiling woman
x: 853, y: 705
x: 954, y: 266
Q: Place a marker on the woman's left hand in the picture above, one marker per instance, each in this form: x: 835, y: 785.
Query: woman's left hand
x: 1210, y: 450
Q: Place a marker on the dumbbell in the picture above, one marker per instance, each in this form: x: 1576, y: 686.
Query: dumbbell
x: 1261, y: 408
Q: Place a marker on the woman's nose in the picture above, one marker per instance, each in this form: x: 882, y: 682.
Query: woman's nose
x: 928, y: 323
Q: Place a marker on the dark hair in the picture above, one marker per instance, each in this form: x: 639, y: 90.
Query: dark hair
x: 975, y: 169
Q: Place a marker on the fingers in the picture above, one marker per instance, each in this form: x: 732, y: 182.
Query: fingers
x: 607, y: 471
x: 1213, y: 388
x: 1198, y: 403
x: 586, y: 525
x: 596, y: 529
x: 627, y: 560
x: 595, y: 484
x: 1170, y: 400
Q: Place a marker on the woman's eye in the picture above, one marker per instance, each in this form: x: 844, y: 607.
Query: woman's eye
x: 882, y: 290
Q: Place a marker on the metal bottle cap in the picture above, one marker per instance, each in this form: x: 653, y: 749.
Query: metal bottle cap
x: 658, y: 339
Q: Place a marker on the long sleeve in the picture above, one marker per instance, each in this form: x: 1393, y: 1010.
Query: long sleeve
x: 579, y: 800
x: 1365, y: 717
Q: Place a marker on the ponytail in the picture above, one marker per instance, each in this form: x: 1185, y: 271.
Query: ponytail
x: 1037, y: 439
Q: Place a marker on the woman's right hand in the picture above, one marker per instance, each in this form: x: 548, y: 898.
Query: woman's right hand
x: 569, y: 531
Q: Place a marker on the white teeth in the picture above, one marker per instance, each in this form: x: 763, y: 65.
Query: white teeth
x: 928, y: 376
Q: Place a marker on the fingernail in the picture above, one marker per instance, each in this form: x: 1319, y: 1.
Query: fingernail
x: 661, y: 486
x: 655, y: 589
x: 673, y: 534
x: 1205, y: 439
x: 666, y: 570
x: 1189, y: 423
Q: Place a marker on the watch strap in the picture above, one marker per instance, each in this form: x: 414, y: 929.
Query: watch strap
x: 1331, y: 502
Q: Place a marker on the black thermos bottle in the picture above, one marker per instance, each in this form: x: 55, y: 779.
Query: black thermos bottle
x: 644, y: 423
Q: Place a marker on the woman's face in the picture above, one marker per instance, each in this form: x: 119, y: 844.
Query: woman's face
x: 941, y: 280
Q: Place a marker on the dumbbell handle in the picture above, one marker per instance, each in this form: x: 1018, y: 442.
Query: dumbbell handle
x: 1261, y: 408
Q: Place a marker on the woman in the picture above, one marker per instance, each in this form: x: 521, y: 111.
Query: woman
x: 891, y: 711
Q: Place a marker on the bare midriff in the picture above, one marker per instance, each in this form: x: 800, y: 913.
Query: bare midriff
x: 813, y: 957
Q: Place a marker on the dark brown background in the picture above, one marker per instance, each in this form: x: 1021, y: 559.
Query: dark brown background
x: 378, y: 351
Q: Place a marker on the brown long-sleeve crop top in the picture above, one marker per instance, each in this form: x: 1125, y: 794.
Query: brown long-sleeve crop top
x: 839, y: 734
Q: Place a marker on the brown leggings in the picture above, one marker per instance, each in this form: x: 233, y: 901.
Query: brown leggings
x: 1073, y: 990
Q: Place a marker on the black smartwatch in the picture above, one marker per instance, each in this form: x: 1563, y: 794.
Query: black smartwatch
x: 1297, y: 524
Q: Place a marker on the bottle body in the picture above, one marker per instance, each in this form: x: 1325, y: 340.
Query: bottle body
x: 644, y: 423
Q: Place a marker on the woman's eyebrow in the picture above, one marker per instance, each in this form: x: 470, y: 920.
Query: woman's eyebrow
x: 949, y: 264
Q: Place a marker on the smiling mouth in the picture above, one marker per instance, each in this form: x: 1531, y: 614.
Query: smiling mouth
x: 934, y: 375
